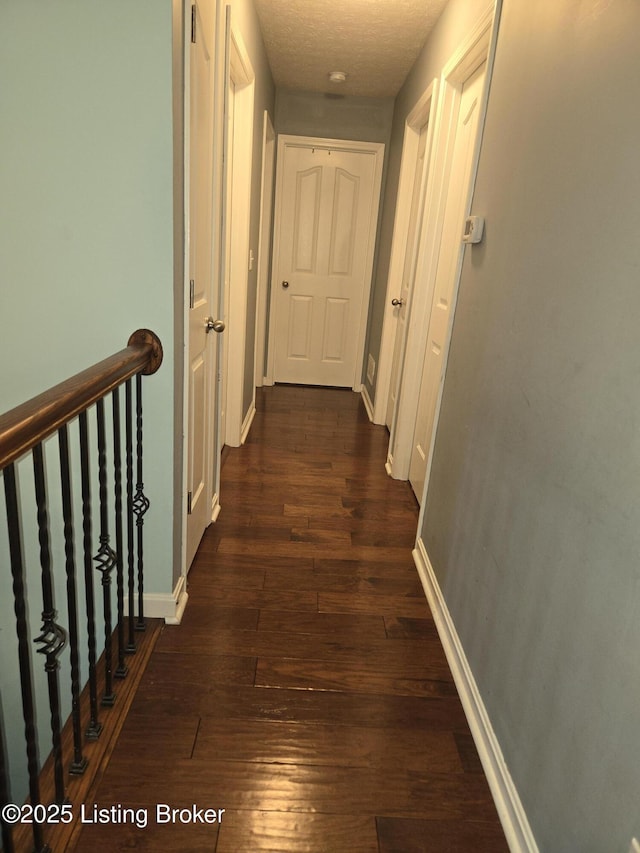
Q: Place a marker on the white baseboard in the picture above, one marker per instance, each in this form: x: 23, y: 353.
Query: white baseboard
x: 366, y: 399
x: 510, y: 810
x: 167, y: 606
x: 215, y: 507
x: 246, y: 426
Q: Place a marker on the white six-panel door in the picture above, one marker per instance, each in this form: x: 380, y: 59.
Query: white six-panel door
x: 326, y: 217
x: 409, y: 268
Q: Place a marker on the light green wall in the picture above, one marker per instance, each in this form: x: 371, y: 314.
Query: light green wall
x: 86, y: 222
x: 86, y: 228
x: 456, y: 21
x: 532, y: 517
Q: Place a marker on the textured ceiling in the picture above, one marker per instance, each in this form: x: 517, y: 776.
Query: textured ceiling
x: 374, y: 41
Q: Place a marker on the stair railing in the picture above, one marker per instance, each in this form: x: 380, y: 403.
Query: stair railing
x: 23, y: 432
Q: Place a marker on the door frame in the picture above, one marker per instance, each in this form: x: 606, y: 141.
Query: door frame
x: 267, y: 186
x: 421, y: 113
x: 377, y: 149
x: 240, y: 71
x: 477, y: 47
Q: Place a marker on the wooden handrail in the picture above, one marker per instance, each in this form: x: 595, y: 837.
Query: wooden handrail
x: 22, y: 428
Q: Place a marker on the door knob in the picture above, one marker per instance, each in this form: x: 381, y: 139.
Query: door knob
x: 285, y: 284
x: 215, y: 325
x: 397, y: 302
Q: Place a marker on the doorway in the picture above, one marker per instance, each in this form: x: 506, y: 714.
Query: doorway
x: 439, y: 248
x: 326, y: 217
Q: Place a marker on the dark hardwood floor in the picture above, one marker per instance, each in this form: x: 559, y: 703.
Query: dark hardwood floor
x: 306, y: 691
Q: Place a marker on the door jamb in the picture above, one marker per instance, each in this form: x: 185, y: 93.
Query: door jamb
x: 242, y: 74
x: 266, y: 221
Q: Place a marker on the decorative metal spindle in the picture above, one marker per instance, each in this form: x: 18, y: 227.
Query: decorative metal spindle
x: 105, y: 558
x: 24, y: 657
x: 79, y: 763
x: 6, y: 836
x: 52, y: 636
x: 131, y: 643
x: 95, y: 726
x: 121, y: 671
x: 140, y: 504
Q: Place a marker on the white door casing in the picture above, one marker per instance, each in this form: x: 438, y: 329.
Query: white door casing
x: 403, y: 242
x: 451, y: 249
x: 264, y: 257
x: 327, y: 200
x: 200, y: 296
x: 472, y: 52
x: 236, y: 224
x: 226, y: 253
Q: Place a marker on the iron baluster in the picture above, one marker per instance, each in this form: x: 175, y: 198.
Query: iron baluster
x: 121, y: 670
x: 79, y: 763
x: 131, y: 643
x: 26, y: 685
x: 6, y: 835
x: 95, y: 726
x: 52, y: 637
x: 106, y: 557
x: 140, y: 503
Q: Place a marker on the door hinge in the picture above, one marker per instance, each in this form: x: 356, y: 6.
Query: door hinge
x: 189, y: 499
x: 192, y: 293
x: 193, y: 24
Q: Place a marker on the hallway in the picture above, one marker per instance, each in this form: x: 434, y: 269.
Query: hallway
x: 306, y: 691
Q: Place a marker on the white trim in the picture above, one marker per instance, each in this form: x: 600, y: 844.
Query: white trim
x: 215, y: 506
x: 246, y: 426
x: 422, y: 112
x: 366, y: 399
x: 185, y: 284
x: 165, y: 605
x: 377, y: 150
x: 477, y: 47
x: 243, y: 77
x: 267, y: 185
x: 512, y: 815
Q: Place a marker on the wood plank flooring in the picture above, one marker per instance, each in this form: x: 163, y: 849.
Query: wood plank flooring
x: 306, y: 691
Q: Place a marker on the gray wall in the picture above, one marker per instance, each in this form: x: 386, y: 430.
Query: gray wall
x: 453, y: 25
x: 532, y: 517
x: 333, y: 117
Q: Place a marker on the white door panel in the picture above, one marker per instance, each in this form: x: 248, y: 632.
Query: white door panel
x: 201, y: 352
x: 408, y: 273
x: 327, y: 206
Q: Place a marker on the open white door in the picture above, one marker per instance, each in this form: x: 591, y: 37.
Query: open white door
x: 201, y: 362
x: 400, y: 299
x: 236, y: 218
